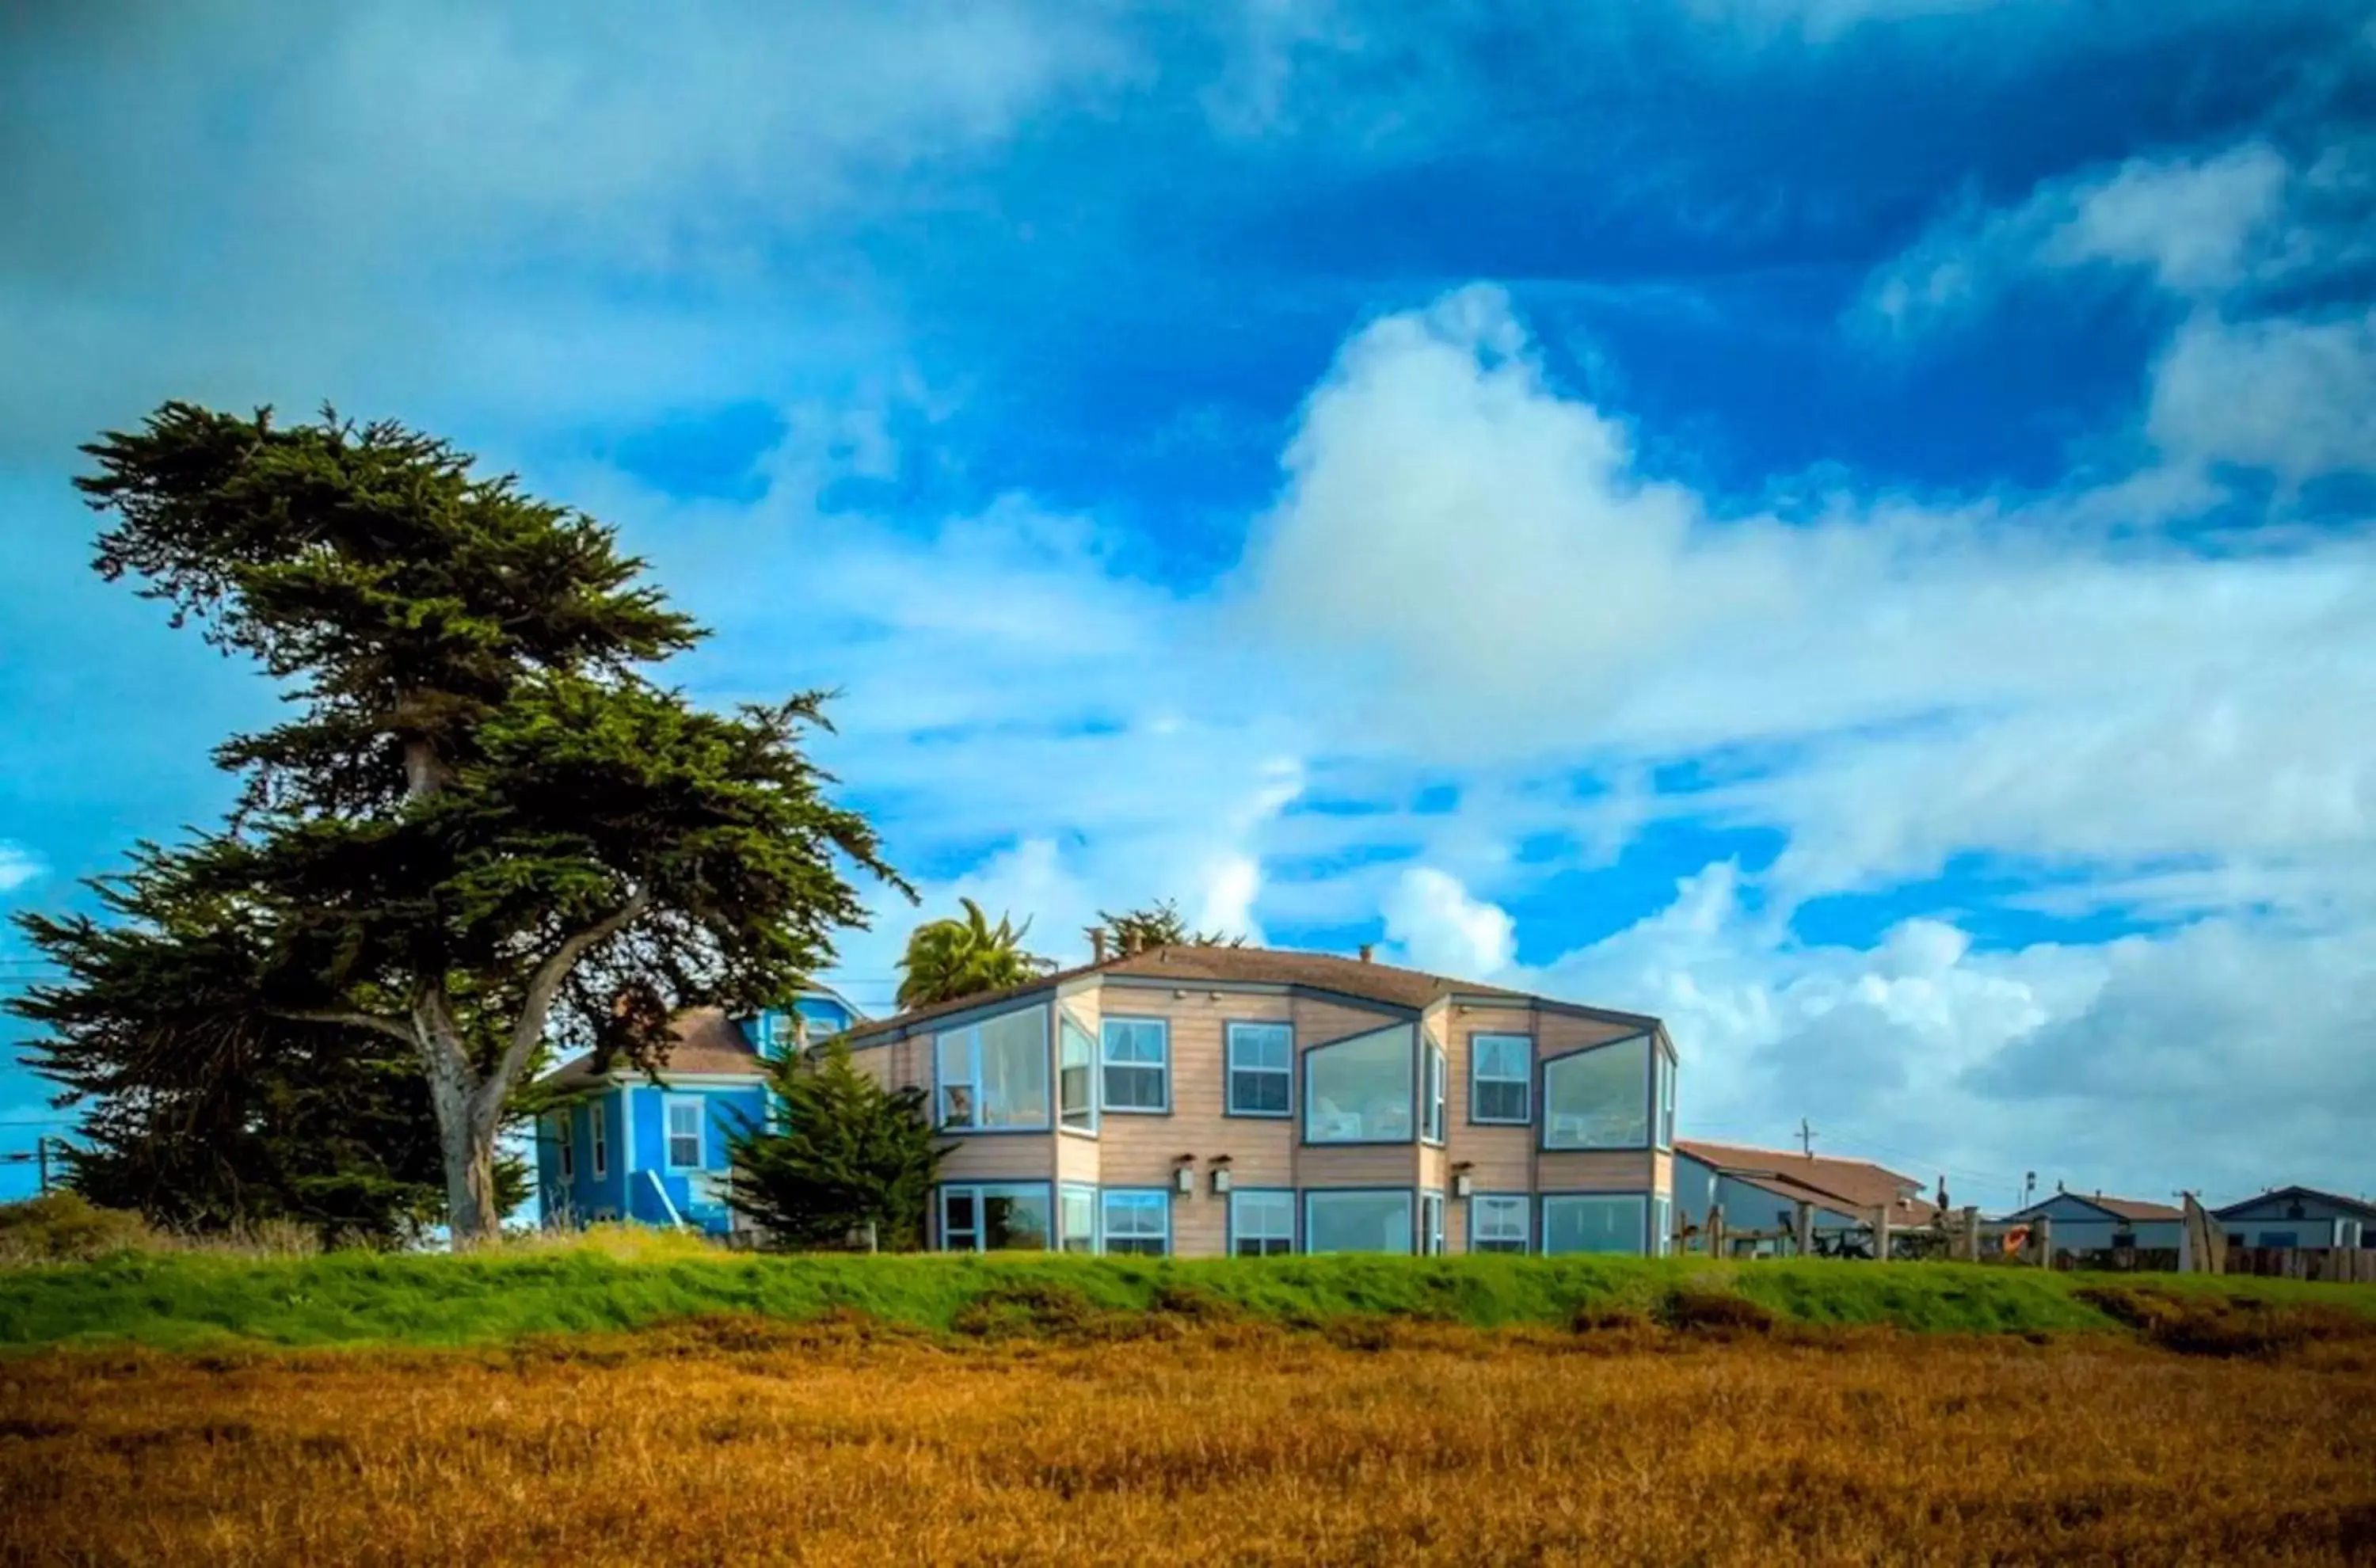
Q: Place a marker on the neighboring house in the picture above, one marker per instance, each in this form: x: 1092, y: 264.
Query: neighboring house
x: 622, y: 1145
x: 2299, y: 1217
x: 2092, y: 1222
x: 1760, y: 1189
x: 1206, y: 1101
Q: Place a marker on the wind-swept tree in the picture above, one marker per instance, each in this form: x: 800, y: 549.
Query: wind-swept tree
x: 951, y: 958
x: 485, y: 822
x: 1157, y: 925
x: 845, y: 1155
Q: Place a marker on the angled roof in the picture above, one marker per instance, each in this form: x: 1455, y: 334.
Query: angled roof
x: 1850, y: 1185
x: 1358, y: 978
x: 705, y: 1043
x: 2359, y: 1206
x: 2119, y: 1208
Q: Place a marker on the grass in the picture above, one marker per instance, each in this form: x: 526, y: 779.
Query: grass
x: 625, y: 1281
x: 1207, y: 1436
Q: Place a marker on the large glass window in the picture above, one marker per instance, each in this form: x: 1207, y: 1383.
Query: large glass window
x: 1501, y: 1078
x: 1359, y: 1090
x: 1598, y: 1098
x: 1666, y: 1070
x: 994, y: 1216
x: 1138, y: 1223
x: 1431, y: 1129
x: 1137, y: 1064
x: 995, y: 1074
x: 1497, y: 1223
x: 1596, y: 1223
x: 1076, y: 1076
x: 1431, y: 1224
x: 1262, y: 1069
x: 1076, y: 1219
x: 1262, y: 1224
x: 1357, y: 1222
x: 683, y: 1133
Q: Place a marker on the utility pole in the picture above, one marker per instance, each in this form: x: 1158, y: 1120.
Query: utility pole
x: 1806, y: 1138
x: 42, y: 1160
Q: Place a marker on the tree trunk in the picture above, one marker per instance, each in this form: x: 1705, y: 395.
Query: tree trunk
x: 466, y: 1140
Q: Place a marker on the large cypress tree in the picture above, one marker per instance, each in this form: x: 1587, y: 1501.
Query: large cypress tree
x: 485, y: 821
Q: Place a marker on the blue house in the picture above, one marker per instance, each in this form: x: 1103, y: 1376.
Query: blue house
x: 2299, y: 1217
x: 620, y: 1144
x: 2092, y: 1222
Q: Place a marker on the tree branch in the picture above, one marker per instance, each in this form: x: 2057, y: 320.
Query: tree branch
x: 389, y: 1026
x: 528, y: 1027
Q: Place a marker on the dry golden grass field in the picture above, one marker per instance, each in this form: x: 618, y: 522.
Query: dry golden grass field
x: 742, y: 1441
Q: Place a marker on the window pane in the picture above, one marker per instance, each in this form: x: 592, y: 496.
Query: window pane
x: 1435, y: 1088
x: 953, y: 1053
x: 1134, y: 1040
x: 1357, y: 1222
x: 1501, y: 1056
x: 1261, y: 1046
x: 1259, y: 1093
x: 1500, y: 1103
x: 1598, y: 1098
x: 1014, y: 1087
x: 1134, y: 1056
x: 1137, y: 1222
x: 1013, y: 1218
x: 1076, y: 1077
x: 957, y: 1219
x: 1592, y: 1224
x: 1262, y: 1223
x: 1077, y: 1208
x: 1359, y: 1090
x: 1497, y: 1224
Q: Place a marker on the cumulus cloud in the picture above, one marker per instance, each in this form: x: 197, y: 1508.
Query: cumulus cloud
x: 2290, y: 394
x: 19, y: 866
x: 1435, y: 924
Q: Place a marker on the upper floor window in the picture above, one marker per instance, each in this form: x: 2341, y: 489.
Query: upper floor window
x: 1501, y: 1078
x: 1666, y: 1108
x: 1432, y: 1128
x: 1137, y: 1054
x: 598, y: 1117
x: 1359, y: 1090
x: 1077, y: 1069
x: 684, y: 1132
x: 1600, y: 1098
x: 995, y: 1074
x: 1262, y: 1069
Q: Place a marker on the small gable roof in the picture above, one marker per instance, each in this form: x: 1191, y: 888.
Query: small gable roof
x: 2358, y: 1207
x: 2131, y: 1210
x: 1851, y: 1186
x: 704, y: 1043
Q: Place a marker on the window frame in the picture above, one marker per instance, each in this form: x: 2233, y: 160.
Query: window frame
x: 1106, y: 1105
x: 1662, y: 1225
x: 669, y: 1104
x: 1662, y: 1096
x: 1434, y: 1092
x: 1230, y: 1068
x: 1410, y: 1217
x: 982, y: 1192
x: 1524, y: 1080
x: 1139, y: 1198
x: 1543, y: 1221
x: 972, y: 1083
x: 1095, y: 1068
x: 1430, y: 1242
x: 1523, y: 1203
x: 1309, y: 1062
x: 1064, y: 1237
x: 598, y: 1140
x: 1543, y: 1095
x: 1230, y: 1222
x: 565, y: 1143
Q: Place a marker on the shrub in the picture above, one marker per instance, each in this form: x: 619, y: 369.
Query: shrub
x: 68, y: 1227
x: 1700, y: 1310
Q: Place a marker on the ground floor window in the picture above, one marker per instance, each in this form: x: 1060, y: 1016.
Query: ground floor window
x: 1373, y: 1221
x: 1431, y: 1224
x: 1262, y: 1224
x: 1497, y: 1223
x: 1662, y: 1225
x: 1076, y: 1219
x: 1138, y: 1223
x: 995, y: 1217
x: 1574, y: 1222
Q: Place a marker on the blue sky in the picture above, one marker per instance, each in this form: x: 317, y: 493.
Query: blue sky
x: 1843, y: 523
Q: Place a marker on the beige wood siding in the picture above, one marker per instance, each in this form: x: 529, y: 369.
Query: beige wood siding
x: 1000, y: 1157
x: 1383, y: 1165
x: 1501, y: 1159
x: 1600, y: 1170
x: 1558, y: 1032
x: 1662, y: 1172
x: 1317, y: 1023
x: 1076, y: 1158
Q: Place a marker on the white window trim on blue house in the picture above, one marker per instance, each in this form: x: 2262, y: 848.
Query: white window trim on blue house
x: 699, y: 1106
x: 565, y: 1146
x: 598, y: 1140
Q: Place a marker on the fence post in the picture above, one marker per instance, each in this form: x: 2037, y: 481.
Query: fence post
x: 1803, y: 1225
x: 1880, y: 1235
x: 1716, y: 1231
x: 2041, y: 1230
x: 1970, y: 1239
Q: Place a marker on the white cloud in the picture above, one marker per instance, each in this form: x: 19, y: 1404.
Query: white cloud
x: 19, y: 866
x: 2293, y: 395
x: 1436, y: 925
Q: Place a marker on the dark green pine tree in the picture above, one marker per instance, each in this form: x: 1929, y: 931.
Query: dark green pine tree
x: 485, y: 821
x: 845, y: 1152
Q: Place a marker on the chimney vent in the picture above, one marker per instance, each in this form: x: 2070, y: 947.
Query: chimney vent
x: 1098, y: 944
x: 1366, y: 950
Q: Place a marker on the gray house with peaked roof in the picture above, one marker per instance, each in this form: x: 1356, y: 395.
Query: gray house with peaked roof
x: 2299, y: 1217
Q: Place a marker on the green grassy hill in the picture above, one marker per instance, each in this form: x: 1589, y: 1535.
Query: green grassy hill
x: 194, y: 1300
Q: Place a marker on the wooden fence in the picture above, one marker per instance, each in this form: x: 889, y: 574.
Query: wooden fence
x: 2347, y: 1265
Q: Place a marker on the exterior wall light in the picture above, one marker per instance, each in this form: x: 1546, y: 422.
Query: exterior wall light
x: 1220, y: 1173
x: 1184, y: 1176
x: 1463, y: 1183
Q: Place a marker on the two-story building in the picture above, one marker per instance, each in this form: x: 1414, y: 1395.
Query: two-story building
x: 1205, y: 1101
x: 621, y: 1145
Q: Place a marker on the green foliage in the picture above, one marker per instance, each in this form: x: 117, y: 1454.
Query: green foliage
x: 497, y: 1295
x: 485, y: 821
x: 1157, y: 925
x: 949, y: 959
x: 66, y: 1227
x: 848, y: 1153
